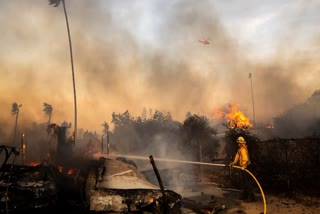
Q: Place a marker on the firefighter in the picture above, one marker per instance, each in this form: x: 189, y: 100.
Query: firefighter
x: 243, y: 160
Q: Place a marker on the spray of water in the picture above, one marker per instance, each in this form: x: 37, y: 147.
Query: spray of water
x: 165, y: 160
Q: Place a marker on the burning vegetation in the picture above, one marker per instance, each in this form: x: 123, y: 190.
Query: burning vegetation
x: 233, y: 117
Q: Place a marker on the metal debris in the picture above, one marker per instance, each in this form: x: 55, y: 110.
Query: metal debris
x: 26, y: 187
x: 124, y: 189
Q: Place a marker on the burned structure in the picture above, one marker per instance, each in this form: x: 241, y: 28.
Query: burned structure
x: 25, y: 187
x: 120, y: 187
x: 67, y: 181
x: 62, y: 154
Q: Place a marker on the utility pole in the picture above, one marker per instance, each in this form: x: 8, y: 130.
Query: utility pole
x: 56, y: 4
x: 254, y: 115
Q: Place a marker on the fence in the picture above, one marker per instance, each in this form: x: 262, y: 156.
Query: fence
x: 288, y: 164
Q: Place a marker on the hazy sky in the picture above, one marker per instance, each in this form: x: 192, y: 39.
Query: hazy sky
x: 135, y: 54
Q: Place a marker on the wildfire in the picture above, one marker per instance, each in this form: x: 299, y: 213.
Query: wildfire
x: 233, y: 116
x: 270, y: 125
x: 72, y: 171
x: 60, y: 168
x: 33, y: 164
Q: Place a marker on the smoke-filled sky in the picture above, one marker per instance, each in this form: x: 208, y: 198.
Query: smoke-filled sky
x: 135, y: 54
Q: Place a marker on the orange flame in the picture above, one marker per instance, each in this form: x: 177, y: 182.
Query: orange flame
x: 270, y: 125
x: 33, y: 164
x: 233, y: 116
x: 72, y: 171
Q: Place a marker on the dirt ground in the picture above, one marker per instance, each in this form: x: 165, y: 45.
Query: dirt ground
x: 281, y: 204
x: 226, y: 201
x: 212, y: 193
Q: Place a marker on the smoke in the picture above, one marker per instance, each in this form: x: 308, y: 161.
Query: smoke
x: 130, y: 54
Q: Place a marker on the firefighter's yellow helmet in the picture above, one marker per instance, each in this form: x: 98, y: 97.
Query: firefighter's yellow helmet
x: 241, y: 140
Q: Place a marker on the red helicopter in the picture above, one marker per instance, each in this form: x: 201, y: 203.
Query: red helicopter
x: 204, y: 41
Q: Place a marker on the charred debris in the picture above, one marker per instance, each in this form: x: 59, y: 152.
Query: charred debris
x: 66, y: 183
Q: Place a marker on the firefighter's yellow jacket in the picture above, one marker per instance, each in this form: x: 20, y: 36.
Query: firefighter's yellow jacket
x: 242, y: 156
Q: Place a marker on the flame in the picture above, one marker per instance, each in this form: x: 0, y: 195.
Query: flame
x: 234, y: 117
x: 60, y: 168
x: 270, y: 125
x: 33, y: 164
x: 72, y: 171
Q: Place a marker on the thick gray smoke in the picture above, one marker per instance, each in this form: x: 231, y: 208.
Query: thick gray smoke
x: 134, y: 54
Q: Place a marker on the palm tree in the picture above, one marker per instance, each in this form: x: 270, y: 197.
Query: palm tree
x: 56, y: 4
x: 15, y: 111
x: 48, y: 111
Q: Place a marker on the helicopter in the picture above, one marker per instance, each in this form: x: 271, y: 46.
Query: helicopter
x: 204, y: 41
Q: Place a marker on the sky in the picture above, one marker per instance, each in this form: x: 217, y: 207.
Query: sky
x: 135, y: 54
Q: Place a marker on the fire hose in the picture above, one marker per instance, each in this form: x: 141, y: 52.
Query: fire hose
x: 255, y: 179
x: 208, y: 164
x: 223, y: 165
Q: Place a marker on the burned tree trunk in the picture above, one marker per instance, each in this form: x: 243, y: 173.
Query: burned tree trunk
x: 64, y: 148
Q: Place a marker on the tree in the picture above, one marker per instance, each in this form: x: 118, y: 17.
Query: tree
x: 48, y: 111
x: 199, y: 134
x: 159, y: 116
x: 56, y: 4
x: 200, y: 139
x: 15, y: 111
x: 123, y: 132
x: 144, y: 114
x: 105, y: 127
x: 122, y: 120
x: 188, y: 114
x: 159, y: 134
